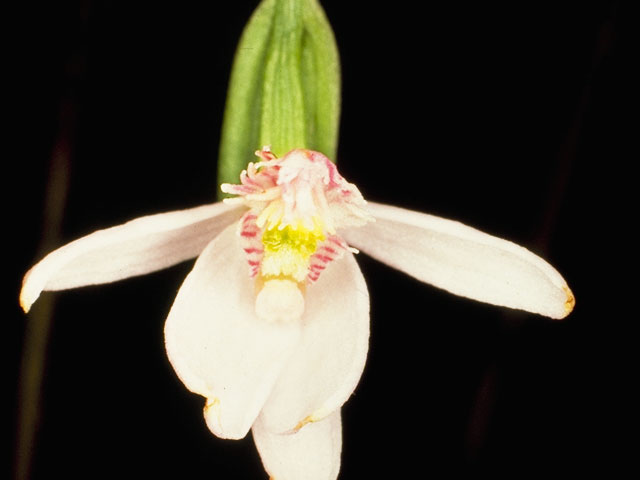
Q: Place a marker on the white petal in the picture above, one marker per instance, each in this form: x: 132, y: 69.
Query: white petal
x: 137, y: 247
x: 328, y: 361
x: 313, y: 453
x: 216, y: 343
x: 463, y: 260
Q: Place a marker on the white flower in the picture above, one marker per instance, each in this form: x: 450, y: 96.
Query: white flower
x: 272, y: 324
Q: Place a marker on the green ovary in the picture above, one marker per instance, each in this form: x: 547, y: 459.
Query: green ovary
x: 287, y: 250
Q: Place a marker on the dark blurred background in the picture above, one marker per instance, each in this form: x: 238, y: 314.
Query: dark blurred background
x: 503, y: 116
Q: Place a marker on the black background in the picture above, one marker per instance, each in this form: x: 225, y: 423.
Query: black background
x: 503, y: 116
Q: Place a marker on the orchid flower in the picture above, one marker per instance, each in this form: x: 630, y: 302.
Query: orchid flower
x: 272, y: 324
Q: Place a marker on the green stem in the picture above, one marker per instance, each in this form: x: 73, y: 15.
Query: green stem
x: 40, y: 319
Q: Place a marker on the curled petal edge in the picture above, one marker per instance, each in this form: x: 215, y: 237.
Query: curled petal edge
x: 313, y: 453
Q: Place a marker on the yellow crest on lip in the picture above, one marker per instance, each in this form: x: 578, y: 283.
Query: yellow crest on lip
x: 287, y: 249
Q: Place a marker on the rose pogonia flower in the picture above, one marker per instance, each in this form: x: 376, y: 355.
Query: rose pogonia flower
x: 272, y: 324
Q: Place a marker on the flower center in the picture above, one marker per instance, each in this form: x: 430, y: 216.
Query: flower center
x: 288, y: 249
x: 295, y: 203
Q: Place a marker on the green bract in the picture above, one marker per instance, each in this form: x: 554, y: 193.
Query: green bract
x: 285, y: 86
